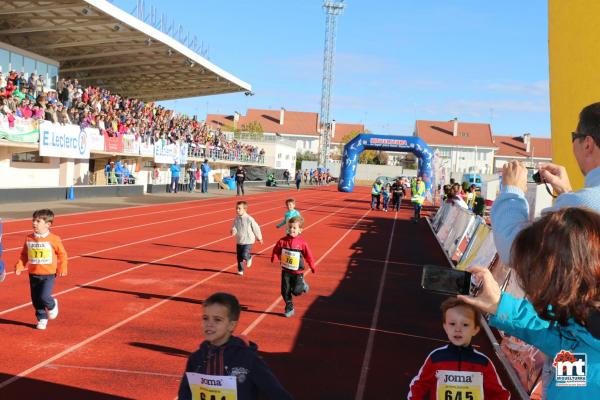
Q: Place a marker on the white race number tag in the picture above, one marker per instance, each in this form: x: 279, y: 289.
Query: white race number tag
x: 459, y: 385
x: 39, y: 252
x: 290, y: 259
x: 212, y: 387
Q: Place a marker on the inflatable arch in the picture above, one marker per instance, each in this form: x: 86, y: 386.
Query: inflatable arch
x: 365, y: 141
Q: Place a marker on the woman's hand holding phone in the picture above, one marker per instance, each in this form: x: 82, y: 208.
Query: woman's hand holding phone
x: 489, y: 294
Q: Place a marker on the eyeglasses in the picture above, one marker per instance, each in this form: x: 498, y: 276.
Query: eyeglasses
x: 576, y: 135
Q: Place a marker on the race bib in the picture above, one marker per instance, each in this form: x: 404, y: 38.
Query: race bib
x: 459, y: 385
x: 39, y: 252
x: 290, y: 259
x: 212, y: 387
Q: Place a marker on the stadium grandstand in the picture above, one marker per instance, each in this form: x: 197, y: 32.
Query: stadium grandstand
x: 88, y: 74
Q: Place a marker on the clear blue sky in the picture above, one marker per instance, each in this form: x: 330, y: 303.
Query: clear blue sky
x: 396, y: 61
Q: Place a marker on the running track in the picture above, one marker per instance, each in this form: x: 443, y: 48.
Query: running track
x: 130, y: 306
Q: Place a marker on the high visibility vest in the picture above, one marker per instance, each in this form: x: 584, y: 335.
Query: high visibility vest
x: 376, y: 190
x: 418, y: 194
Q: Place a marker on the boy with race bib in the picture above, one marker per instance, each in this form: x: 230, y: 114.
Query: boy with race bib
x: 458, y: 371
x: 293, y: 252
x: 226, y: 366
x: 45, y: 257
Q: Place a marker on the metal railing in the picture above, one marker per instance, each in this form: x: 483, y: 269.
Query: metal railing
x: 225, y: 155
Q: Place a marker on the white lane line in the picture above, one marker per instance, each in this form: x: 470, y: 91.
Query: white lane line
x: 150, y: 262
x: 166, y: 235
x: 204, y: 204
x: 90, y: 339
x: 113, y: 370
x: 362, y: 382
x: 269, y: 309
x: 141, y: 225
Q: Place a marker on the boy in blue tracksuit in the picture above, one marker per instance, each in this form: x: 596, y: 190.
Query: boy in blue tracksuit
x: 222, y: 354
x: 291, y: 212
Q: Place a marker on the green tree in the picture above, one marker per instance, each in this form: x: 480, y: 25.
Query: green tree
x: 250, y: 131
x: 307, y: 155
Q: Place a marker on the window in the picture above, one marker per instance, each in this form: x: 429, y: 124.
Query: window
x: 29, y: 157
x: 287, y: 156
x: 17, y: 61
x: 4, y: 60
x: 278, y: 155
x: 29, y: 65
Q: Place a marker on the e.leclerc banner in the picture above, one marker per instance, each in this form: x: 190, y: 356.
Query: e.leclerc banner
x: 66, y: 141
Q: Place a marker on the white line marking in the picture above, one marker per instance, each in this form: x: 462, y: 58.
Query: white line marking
x: 362, y: 382
x: 150, y: 262
x: 90, y: 339
x: 125, y: 371
x: 263, y: 315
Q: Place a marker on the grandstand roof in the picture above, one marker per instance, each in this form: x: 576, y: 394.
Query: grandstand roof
x: 510, y: 147
x: 469, y: 134
x: 294, y: 122
x: 101, y: 45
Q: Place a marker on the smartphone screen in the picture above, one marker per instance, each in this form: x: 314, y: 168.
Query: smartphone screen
x: 445, y: 280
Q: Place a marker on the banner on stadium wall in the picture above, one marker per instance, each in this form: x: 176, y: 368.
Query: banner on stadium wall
x: 113, y: 144
x: 131, y: 145
x: 23, y: 131
x: 146, y: 149
x: 167, y: 153
x: 95, y: 139
x: 66, y: 141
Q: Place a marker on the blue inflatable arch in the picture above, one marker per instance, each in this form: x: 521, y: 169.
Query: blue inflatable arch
x: 367, y: 141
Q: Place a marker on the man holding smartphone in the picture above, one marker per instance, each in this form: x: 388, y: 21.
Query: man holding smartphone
x: 510, y: 212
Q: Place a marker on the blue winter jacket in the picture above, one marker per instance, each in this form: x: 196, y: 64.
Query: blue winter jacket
x: 518, y: 318
x: 205, y: 169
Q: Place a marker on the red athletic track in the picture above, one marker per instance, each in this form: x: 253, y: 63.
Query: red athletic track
x: 130, y: 306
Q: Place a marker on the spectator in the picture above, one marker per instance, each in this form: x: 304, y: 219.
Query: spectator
x: 240, y: 178
x: 557, y: 263
x: 510, y: 211
x: 205, y: 169
x: 175, y: 170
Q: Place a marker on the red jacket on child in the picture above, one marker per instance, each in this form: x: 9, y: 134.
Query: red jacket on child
x: 292, y: 253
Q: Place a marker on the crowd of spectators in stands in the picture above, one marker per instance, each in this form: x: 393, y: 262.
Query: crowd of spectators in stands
x: 114, y: 115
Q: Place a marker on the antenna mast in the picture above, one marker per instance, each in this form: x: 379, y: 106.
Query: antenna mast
x: 332, y: 9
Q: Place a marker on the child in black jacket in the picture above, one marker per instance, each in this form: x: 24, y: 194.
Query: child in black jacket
x: 223, y: 355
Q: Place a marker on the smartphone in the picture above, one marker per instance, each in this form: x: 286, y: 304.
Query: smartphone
x: 445, y: 280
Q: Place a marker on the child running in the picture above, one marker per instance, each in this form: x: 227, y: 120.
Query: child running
x: 291, y: 212
x: 225, y: 356
x: 387, y: 189
x: 45, y: 257
x: 293, y: 252
x: 246, y: 231
x: 457, y: 370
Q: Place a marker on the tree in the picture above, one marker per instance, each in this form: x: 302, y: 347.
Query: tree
x: 367, y: 156
x: 250, y: 131
x: 307, y: 155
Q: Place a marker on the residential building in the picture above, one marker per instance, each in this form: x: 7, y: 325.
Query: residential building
x: 298, y: 126
x: 459, y: 146
x: 531, y: 150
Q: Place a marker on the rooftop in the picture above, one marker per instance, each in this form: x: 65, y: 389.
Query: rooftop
x: 468, y: 134
x: 509, y: 146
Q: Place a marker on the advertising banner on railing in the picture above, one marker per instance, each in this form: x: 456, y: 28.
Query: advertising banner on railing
x: 67, y: 141
x: 95, y: 139
x: 146, y: 149
x: 131, y: 145
x: 167, y: 153
x: 22, y: 131
x: 113, y: 144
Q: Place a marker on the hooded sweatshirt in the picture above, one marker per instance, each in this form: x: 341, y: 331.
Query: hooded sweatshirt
x: 235, y: 358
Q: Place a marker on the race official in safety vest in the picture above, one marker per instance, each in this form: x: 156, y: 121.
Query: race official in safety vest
x: 376, y: 194
x: 418, y: 197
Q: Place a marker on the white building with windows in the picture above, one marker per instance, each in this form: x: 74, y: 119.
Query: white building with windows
x: 460, y: 146
x: 301, y: 128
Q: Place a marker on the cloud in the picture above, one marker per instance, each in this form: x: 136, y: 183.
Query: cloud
x: 538, y: 88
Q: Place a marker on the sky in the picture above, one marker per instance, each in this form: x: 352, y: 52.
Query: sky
x: 395, y: 61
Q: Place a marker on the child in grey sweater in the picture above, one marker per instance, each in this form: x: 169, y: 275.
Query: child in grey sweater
x: 246, y: 231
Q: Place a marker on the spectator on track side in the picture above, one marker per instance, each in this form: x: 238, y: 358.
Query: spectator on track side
x: 205, y: 169
x: 376, y: 194
x: 45, y: 257
x: 246, y: 231
x: 298, y: 179
x: 175, y: 171
x: 397, y: 194
x: 2, y: 270
x: 556, y: 261
x: 457, y: 370
x: 223, y: 355
x: 240, y: 178
x: 293, y: 252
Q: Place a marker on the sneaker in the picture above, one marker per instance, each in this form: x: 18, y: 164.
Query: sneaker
x: 290, y: 313
x: 52, y: 314
x: 2, y: 275
x: 249, y: 262
x: 306, y: 287
x: 241, y: 273
x: 41, y: 325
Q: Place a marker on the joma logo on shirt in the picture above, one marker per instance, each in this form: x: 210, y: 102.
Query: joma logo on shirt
x: 457, y: 379
x: 212, y: 382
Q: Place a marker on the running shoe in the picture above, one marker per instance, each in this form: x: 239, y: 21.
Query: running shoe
x: 52, y: 314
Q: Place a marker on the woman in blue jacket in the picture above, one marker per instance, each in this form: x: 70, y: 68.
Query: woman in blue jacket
x: 557, y: 263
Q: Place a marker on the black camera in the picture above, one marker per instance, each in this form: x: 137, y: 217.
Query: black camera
x: 536, y: 177
x: 533, y: 176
